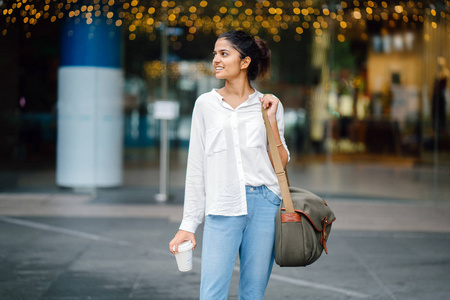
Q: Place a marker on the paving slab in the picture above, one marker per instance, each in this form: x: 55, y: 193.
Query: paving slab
x: 107, y: 244
x: 355, y: 214
x: 127, y: 258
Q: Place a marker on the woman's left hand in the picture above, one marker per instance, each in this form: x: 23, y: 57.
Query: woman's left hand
x: 270, y: 102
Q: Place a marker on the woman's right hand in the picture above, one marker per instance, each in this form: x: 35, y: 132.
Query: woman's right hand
x: 181, y: 237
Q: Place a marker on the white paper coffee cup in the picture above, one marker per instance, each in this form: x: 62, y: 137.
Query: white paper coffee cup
x: 184, y: 256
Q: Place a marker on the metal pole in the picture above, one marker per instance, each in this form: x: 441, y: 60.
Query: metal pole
x: 163, y: 163
x: 329, y: 124
x: 164, y: 51
x: 164, y: 147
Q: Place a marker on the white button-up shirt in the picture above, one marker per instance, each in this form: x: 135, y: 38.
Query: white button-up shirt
x: 228, y: 150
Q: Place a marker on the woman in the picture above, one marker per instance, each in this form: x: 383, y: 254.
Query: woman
x: 230, y: 177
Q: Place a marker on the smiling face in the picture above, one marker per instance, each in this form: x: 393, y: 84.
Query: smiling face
x: 227, y: 61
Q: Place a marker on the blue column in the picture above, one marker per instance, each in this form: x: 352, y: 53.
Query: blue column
x: 90, y: 89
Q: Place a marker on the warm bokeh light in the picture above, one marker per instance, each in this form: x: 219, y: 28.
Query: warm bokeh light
x: 271, y: 17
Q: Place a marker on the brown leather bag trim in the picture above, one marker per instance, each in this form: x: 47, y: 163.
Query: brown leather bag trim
x: 314, y: 225
x: 290, y: 218
x: 323, y: 235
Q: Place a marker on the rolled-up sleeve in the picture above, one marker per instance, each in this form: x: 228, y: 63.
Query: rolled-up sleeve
x: 194, y: 199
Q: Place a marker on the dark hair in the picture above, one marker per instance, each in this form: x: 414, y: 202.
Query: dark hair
x: 256, y: 49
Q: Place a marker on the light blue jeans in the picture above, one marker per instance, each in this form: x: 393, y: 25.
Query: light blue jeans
x: 252, y: 236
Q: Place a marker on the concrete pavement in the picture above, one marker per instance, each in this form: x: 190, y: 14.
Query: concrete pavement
x: 113, y: 244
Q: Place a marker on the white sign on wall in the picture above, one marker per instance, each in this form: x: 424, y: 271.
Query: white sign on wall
x: 166, y: 110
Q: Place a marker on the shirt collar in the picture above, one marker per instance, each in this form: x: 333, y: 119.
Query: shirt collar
x: 253, y: 98
x: 217, y: 95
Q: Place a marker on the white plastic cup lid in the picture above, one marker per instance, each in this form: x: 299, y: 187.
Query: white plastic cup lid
x: 185, y: 246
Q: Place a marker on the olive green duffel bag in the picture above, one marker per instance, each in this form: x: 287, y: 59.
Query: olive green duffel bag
x: 303, y: 221
x: 301, y: 236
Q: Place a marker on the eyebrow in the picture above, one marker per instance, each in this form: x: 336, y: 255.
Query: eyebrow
x: 221, y: 50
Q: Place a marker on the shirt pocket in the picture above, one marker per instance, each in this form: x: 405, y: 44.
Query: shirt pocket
x: 215, y: 141
x: 255, y: 134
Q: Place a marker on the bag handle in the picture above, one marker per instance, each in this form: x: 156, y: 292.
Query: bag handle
x: 278, y: 166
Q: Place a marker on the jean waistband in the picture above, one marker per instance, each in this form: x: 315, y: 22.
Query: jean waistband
x: 249, y: 188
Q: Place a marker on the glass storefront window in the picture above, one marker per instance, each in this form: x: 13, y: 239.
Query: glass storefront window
x: 364, y: 83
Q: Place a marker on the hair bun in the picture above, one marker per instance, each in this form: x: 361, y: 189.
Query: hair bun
x: 256, y: 49
x: 264, y: 57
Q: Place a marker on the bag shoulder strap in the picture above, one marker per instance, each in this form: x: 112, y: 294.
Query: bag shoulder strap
x: 278, y: 166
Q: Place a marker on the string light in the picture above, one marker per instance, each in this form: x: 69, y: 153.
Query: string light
x: 268, y: 17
